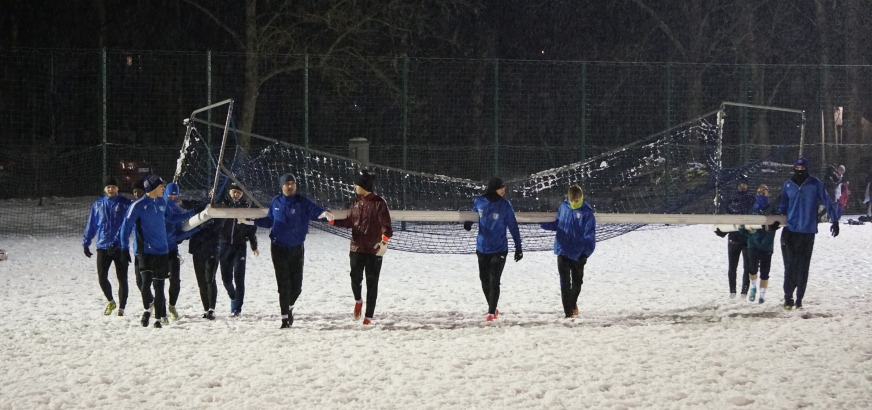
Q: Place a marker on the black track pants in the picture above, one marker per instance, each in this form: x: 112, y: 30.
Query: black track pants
x: 761, y: 262
x: 571, y: 278
x: 205, y: 268
x: 490, y: 269
x: 734, y: 250
x: 288, y: 264
x: 175, y: 276
x: 370, y: 264
x: 232, y: 262
x: 796, y: 249
x: 154, y: 271
x: 104, y: 259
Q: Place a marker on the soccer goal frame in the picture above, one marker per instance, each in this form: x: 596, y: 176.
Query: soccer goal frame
x: 458, y: 216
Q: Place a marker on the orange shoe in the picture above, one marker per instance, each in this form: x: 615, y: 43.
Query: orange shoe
x: 496, y: 314
x: 357, y: 308
x: 367, y: 321
x: 490, y: 318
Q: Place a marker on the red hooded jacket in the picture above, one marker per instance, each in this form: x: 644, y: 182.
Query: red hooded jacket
x: 369, y: 219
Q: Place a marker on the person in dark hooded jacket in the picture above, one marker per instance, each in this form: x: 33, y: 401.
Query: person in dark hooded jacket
x: 737, y: 245
x: 574, y: 243
x: 495, y: 215
x: 203, y: 247
x: 232, y: 253
x: 107, y: 215
x: 760, y: 246
x: 370, y: 222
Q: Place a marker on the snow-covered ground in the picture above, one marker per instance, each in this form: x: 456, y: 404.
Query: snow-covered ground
x: 656, y: 330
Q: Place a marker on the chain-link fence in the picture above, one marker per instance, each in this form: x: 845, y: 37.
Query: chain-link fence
x: 71, y: 117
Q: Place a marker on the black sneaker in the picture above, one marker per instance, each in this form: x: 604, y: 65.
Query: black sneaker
x: 157, y: 324
x: 798, y: 305
x: 145, y: 317
x: 286, y: 324
x: 788, y: 304
x: 291, y: 318
x: 209, y: 315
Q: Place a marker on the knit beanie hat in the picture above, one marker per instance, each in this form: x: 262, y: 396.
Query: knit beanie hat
x: 172, y: 189
x: 110, y: 181
x: 287, y: 177
x: 151, y: 182
x: 365, y: 180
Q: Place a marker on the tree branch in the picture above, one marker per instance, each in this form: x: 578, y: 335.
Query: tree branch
x: 218, y: 21
x: 663, y: 27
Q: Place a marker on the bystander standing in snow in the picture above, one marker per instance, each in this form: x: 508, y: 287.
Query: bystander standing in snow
x: 495, y: 215
x: 107, y: 215
x: 370, y: 222
x: 232, y: 251
x: 574, y: 242
x: 799, y: 201
x: 288, y: 219
x: 149, y: 216
x: 737, y: 245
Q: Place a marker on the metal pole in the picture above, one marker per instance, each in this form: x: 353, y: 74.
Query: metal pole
x: 103, y: 128
x: 209, y: 95
x: 802, y: 134
x: 583, y: 113
x: 221, y: 153
x: 717, y: 201
x: 306, y: 102
x: 496, y: 117
x: 405, y: 132
x: 823, y: 141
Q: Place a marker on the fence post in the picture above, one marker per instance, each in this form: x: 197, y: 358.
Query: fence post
x: 103, y: 125
x: 496, y: 117
x: 405, y: 132
x: 743, y: 114
x: 306, y: 101
x: 583, y: 111
x: 209, y: 96
x: 668, y: 124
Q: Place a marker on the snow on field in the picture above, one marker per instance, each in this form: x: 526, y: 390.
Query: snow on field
x: 656, y: 330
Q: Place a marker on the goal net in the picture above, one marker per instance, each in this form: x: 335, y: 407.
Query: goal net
x: 682, y: 170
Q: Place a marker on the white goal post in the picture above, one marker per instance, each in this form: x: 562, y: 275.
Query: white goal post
x: 522, y: 217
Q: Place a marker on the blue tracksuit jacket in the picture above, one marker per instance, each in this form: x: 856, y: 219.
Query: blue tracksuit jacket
x: 149, y: 217
x: 800, y: 203
x: 288, y: 217
x: 493, y: 219
x: 576, y: 231
x: 107, y: 215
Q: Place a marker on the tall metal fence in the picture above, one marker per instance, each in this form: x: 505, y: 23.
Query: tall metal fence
x: 69, y: 117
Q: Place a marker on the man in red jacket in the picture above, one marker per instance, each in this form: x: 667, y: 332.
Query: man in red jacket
x: 370, y: 224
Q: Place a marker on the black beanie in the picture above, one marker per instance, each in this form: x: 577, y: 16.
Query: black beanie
x: 110, y: 181
x: 287, y: 177
x: 494, y: 184
x: 365, y: 180
x: 152, y: 182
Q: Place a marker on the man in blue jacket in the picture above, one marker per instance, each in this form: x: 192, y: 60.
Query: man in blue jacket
x: 232, y: 252
x: 799, y: 201
x: 149, y: 216
x: 107, y: 215
x: 288, y: 218
x: 495, y: 214
x: 574, y: 243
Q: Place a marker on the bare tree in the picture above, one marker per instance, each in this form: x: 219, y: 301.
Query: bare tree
x: 335, y: 33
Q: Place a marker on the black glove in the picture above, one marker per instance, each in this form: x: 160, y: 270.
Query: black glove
x: 125, y: 255
x: 719, y: 233
x: 200, y: 208
x: 87, y: 251
x: 582, y: 260
x: 834, y: 228
x: 774, y: 225
x: 519, y: 254
x: 467, y: 225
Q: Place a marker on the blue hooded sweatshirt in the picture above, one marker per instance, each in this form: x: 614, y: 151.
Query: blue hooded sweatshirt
x: 150, y: 218
x: 800, y: 204
x: 576, y: 231
x: 107, y: 215
x: 493, y: 219
x: 288, y: 217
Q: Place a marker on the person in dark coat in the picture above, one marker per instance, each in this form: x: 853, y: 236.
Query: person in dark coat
x: 370, y: 222
x: 104, y: 221
x: 574, y: 243
x: 203, y: 247
x: 232, y: 250
x: 495, y: 215
x: 288, y: 219
x: 737, y: 245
